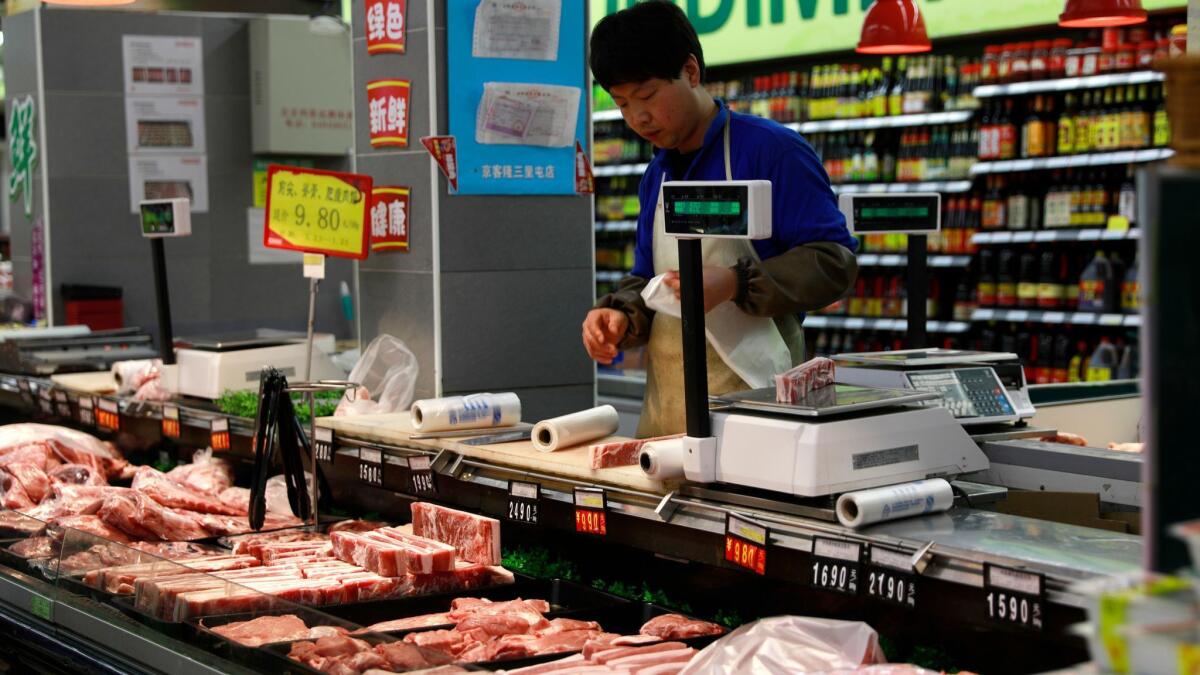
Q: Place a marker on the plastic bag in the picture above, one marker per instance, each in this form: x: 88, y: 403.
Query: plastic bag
x: 387, y: 375
x: 206, y: 474
x: 277, y: 496
x: 790, y: 644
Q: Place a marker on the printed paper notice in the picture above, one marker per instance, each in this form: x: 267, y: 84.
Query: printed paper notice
x: 527, y: 114
x: 164, y: 124
x: 517, y: 29
x: 163, y: 65
x: 158, y: 177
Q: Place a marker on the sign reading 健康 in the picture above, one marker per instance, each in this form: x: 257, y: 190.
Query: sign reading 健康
x: 734, y: 31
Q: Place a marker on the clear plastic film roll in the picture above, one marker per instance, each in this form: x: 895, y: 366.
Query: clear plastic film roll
x: 858, y: 509
x: 662, y: 460
x: 477, y: 411
x: 575, y: 429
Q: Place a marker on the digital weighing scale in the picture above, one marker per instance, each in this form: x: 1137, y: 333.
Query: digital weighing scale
x: 840, y: 438
x: 209, y: 366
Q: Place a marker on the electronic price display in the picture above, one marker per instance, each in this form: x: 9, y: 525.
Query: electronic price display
x: 738, y: 209
x: 166, y: 217
x: 916, y: 213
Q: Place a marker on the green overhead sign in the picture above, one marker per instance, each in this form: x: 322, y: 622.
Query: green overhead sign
x: 734, y: 31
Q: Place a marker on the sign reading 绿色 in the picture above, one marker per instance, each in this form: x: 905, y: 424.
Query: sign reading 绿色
x: 735, y: 31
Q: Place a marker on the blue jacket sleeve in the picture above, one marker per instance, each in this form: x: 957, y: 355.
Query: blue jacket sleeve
x: 804, y: 207
x: 643, y: 254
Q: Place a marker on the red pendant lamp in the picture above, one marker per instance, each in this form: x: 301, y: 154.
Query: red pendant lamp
x: 893, y: 27
x: 1101, y: 13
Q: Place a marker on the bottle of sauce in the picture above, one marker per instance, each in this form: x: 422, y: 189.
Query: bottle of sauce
x: 1094, y: 283
x: 1049, y: 288
x: 1006, y: 279
x: 1027, y: 277
x: 1131, y: 290
x: 1103, y: 362
x: 986, y: 286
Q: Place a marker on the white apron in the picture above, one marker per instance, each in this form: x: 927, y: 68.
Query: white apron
x: 743, y: 351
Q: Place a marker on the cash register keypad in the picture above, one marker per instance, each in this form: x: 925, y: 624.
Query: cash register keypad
x: 966, y: 392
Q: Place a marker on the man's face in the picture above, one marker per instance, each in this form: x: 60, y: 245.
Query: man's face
x: 664, y: 112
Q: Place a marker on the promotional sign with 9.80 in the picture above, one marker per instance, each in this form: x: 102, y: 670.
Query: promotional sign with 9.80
x: 317, y: 211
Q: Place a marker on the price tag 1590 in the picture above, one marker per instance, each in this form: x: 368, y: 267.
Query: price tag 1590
x: 108, y: 414
x: 420, y: 475
x: 591, y: 511
x: 890, y: 577
x: 835, y: 565
x: 1013, y: 597
x: 87, y: 411
x: 170, y: 421
x: 323, y: 444
x: 370, y: 466
x: 61, y: 404
x: 524, y: 501
x: 218, y: 434
x: 746, y: 544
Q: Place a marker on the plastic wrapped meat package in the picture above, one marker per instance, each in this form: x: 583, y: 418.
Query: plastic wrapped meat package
x: 790, y: 644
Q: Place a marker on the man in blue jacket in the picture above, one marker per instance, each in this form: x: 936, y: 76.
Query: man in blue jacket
x: 649, y: 59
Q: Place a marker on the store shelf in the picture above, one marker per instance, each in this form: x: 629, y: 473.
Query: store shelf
x: 1068, y: 84
x: 893, y: 188
x: 619, y: 169
x: 1090, y: 234
x: 617, y: 226
x: 922, y: 119
x: 893, y: 260
x: 606, y: 115
x: 1071, y: 161
x: 861, y: 323
x: 1067, y: 318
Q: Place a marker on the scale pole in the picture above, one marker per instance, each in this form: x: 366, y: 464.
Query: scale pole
x: 695, y: 344
x: 918, y: 292
x: 312, y: 310
x: 166, y: 337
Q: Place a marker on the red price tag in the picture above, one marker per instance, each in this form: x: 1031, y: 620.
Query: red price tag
x: 170, y: 421
x: 108, y: 415
x: 219, y: 434
x: 591, y: 508
x: 746, y: 544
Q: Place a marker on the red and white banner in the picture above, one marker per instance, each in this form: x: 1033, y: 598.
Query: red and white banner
x: 387, y: 24
x: 445, y: 153
x: 387, y: 104
x: 389, y: 218
x: 585, y: 182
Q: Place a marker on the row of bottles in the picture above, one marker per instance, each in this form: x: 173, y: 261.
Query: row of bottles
x: 1051, y: 280
x: 1074, y: 198
x: 1067, y: 356
x: 915, y: 84
x: 929, y: 153
x: 1098, y: 52
x: 877, y: 295
x: 1104, y: 120
x: 616, y: 143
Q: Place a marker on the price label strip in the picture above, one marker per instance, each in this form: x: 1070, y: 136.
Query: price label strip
x: 87, y: 411
x: 1013, y: 597
x: 61, y: 404
x: 108, y: 414
x: 524, y: 502
x: 45, y: 402
x: 890, y: 577
x: 591, y: 511
x: 323, y: 445
x: 836, y: 565
x: 170, y: 421
x: 420, y: 475
x: 746, y: 544
x: 370, y: 466
x: 218, y: 434
x: 26, y: 392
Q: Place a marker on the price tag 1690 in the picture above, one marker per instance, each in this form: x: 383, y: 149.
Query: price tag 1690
x: 87, y: 411
x: 591, y: 511
x: 218, y: 434
x: 108, y: 414
x: 746, y: 544
x: 835, y: 565
x: 1013, y: 597
x: 420, y: 473
x: 323, y: 444
x: 524, y: 500
x: 890, y: 578
x: 170, y: 421
x: 61, y: 404
x: 370, y: 466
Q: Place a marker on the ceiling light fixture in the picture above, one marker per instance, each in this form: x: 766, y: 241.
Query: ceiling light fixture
x: 893, y: 27
x: 1101, y: 13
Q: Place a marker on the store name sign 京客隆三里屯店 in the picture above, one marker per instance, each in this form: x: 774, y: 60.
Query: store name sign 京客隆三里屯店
x: 734, y: 31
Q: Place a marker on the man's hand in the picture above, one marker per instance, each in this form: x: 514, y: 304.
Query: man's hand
x: 603, y: 330
x: 720, y: 285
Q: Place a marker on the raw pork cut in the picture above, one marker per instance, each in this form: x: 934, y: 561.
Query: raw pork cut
x: 621, y: 453
x: 156, y: 485
x: 392, y: 552
x: 266, y: 629
x: 92, y: 525
x: 35, y: 547
x: 206, y: 474
x: 64, y: 445
x: 348, y: 656
x: 78, y: 474
x: 805, y: 378
x: 235, y: 497
x: 143, y: 518
x: 476, y: 538
x: 678, y: 627
x: 30, y: 476
x: 411, y: 623
x: 356, y: 526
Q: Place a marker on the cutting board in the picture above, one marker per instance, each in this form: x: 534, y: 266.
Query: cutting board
x: 101, y: 382
x: 396, y: 428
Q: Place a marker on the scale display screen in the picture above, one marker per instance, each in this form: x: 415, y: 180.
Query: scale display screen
x: 158, y: 218
x: 707, y: 210
x: 913, y: 213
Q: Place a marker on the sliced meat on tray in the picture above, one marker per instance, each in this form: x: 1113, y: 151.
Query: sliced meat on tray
x: 93, y: 525
x: 621, y: 453
x: 411, y: 623
x: 35, y: 547
x: 679, y: 627
x: 349, y: 656
x: 143, y: 518
x: 805, y: 378
x: 266, y: 629
x: 475, y: 538
x: 393, y: 552
x: 160, y: 488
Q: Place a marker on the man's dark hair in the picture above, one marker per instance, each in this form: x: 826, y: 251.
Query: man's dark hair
x: 649, y: 40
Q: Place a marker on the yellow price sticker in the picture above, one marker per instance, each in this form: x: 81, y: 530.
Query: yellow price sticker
x: 317, y: 211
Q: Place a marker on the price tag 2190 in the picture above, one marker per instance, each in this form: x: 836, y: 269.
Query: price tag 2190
x: 219, y: 434
x: 1013, y: 597
x: 323, y: 445
x: 591, y: 511
x: 420, y: 471
x: 835, y: 565
x: 370, y: 466
x: 890, y: 578
x: 108, y: 415
x: 524, y: 500
x: 170, y: 421
x: 746, y: 544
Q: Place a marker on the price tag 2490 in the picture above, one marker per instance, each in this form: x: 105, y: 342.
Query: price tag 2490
x: 591, y: 511
x: 420, y: 472
x: 370, y: 466
x: 890, y: 578
x: 524, y: 501
x: 323, y: 445
x: 170, y: 421
x: 1013, y: 597
x: 835, y: 565
x: 108, y: 414
x: 218, y: 434
x: 746, y: 544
